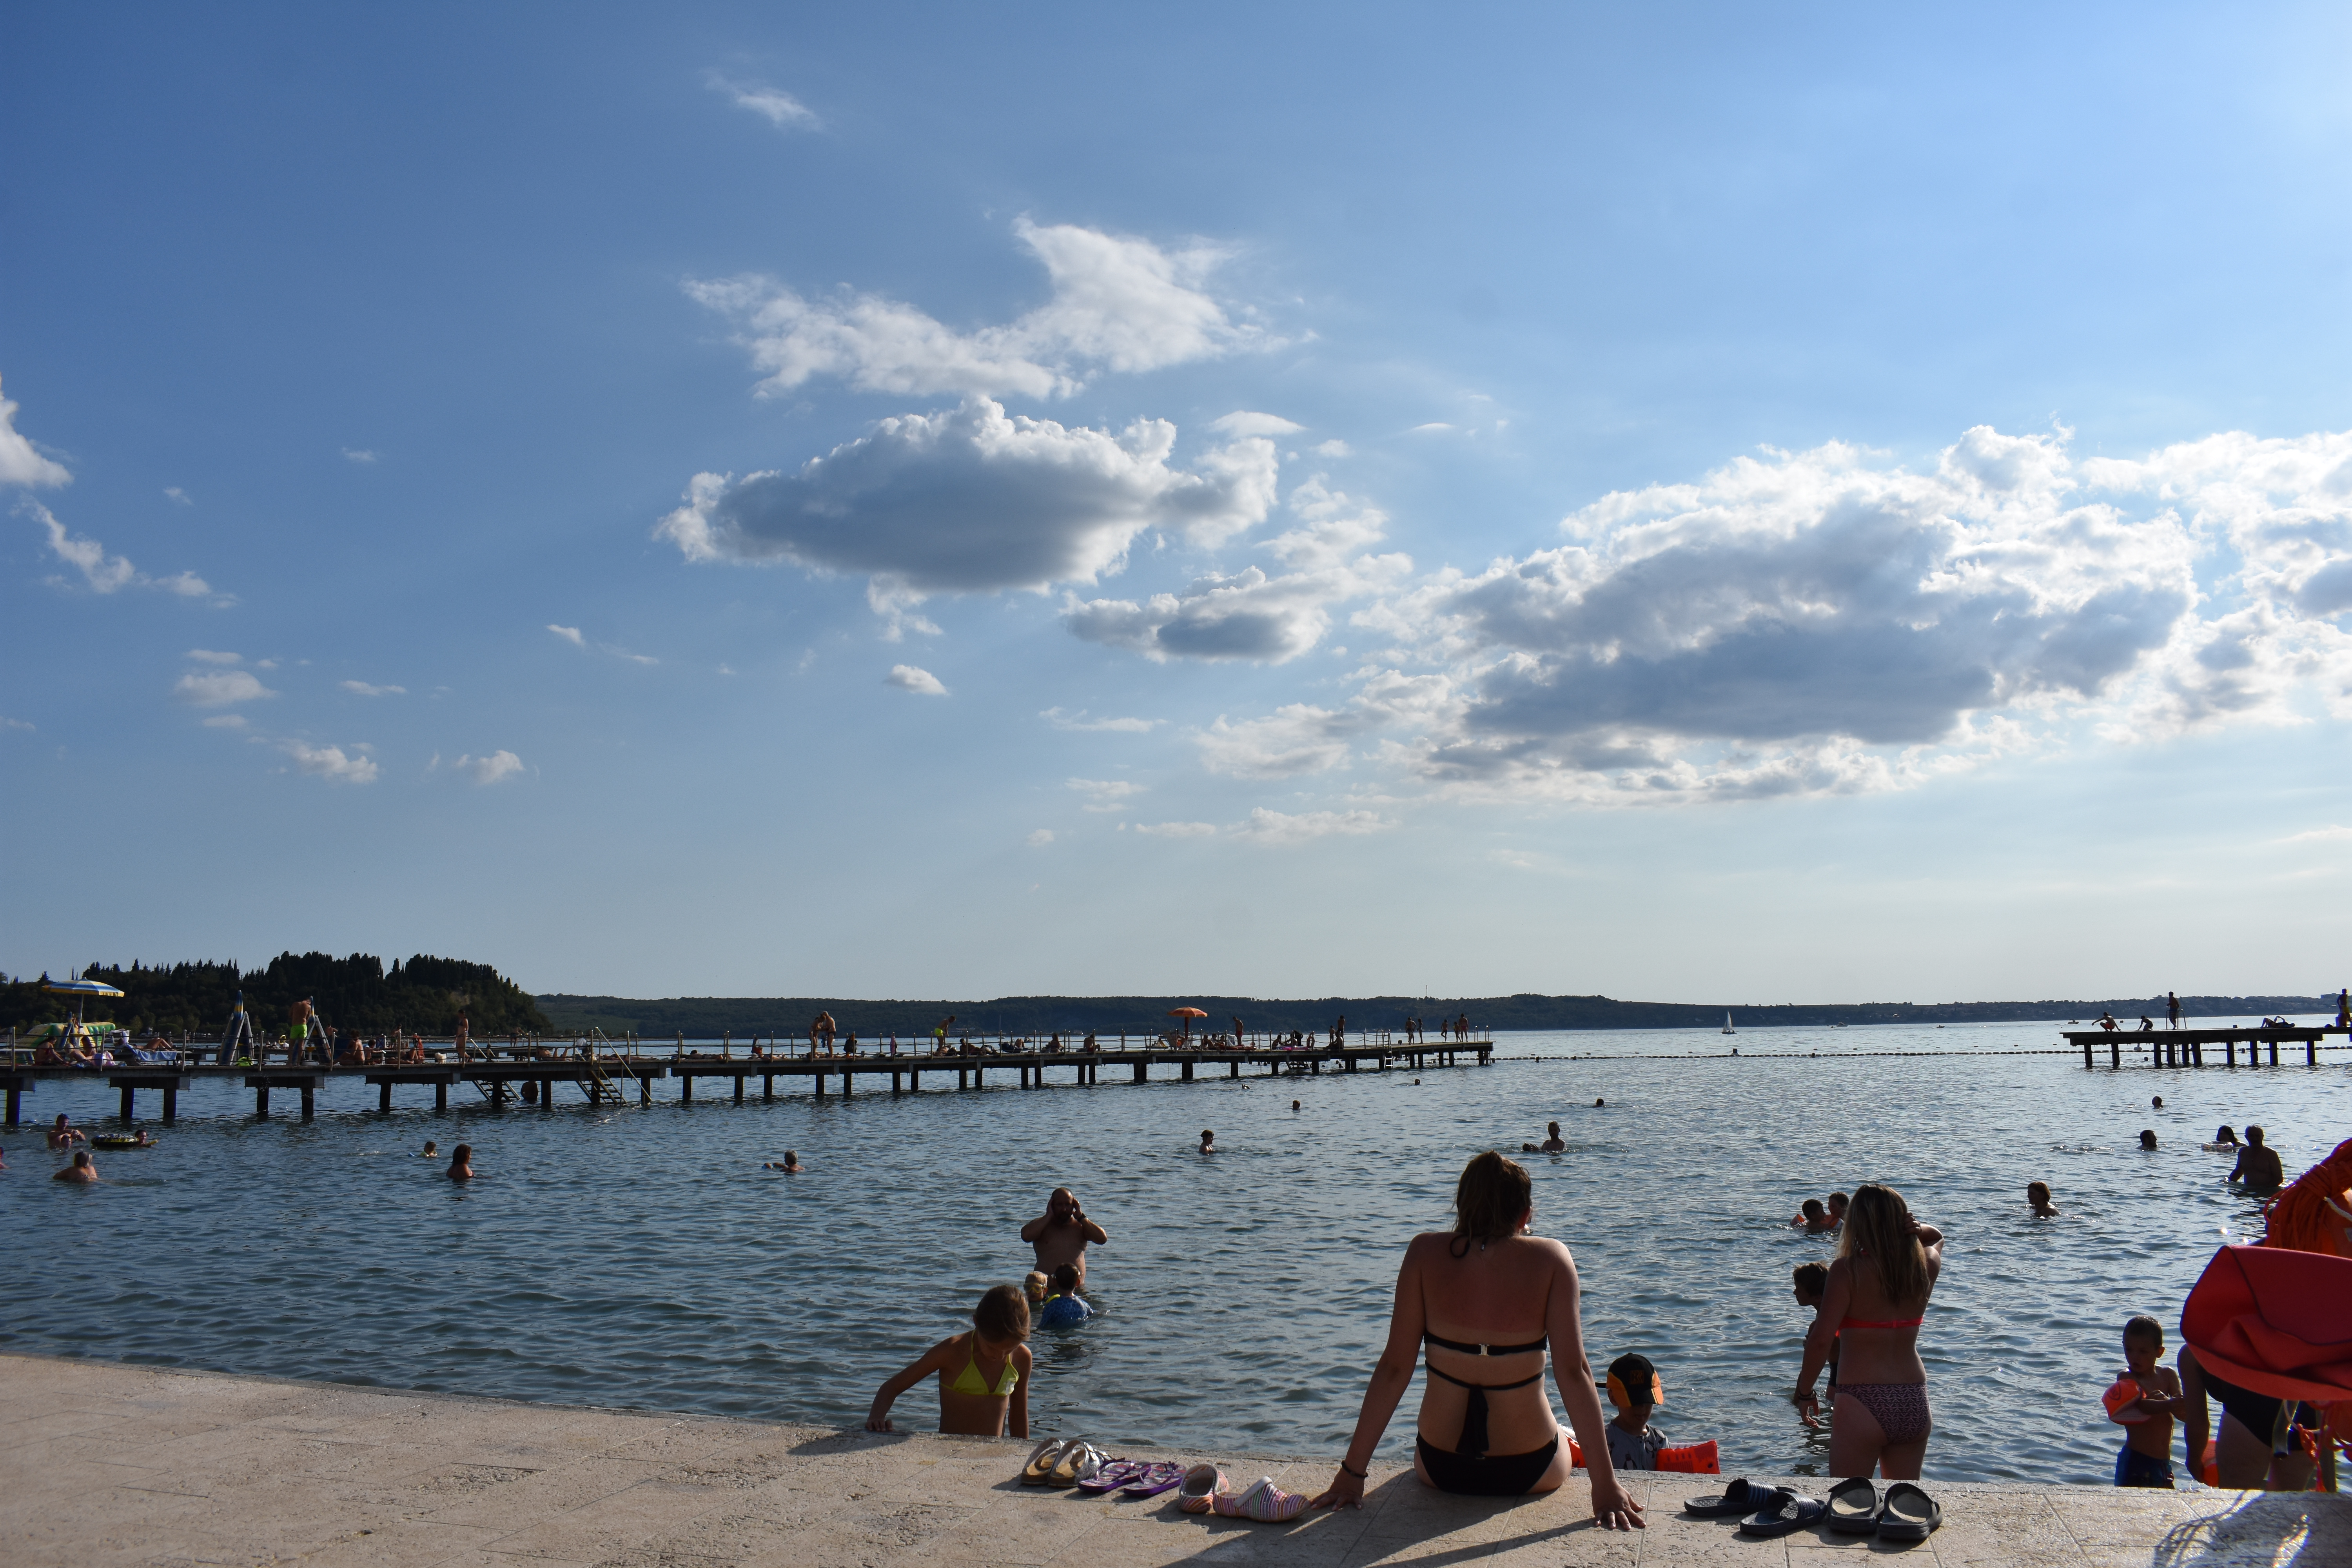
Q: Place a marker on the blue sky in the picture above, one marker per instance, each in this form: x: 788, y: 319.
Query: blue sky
x: 1699, y: 503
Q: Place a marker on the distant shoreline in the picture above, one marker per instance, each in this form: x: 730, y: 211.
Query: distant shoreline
x: 787, y: 1017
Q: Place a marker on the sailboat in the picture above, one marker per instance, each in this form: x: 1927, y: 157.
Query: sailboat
x: 1726, y: 1025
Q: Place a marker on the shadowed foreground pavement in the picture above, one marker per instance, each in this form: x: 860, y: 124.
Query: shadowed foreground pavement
x: 107, y: 1464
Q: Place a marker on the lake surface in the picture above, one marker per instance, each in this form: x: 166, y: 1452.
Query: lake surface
x: 637, y: 1257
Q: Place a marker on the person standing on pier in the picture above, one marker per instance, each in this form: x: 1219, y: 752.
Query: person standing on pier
x: 1060, y: 1235
x: 298, y: 1032
x: 2172, y: 1010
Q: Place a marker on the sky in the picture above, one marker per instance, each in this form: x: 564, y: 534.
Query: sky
x: 1681, y: 502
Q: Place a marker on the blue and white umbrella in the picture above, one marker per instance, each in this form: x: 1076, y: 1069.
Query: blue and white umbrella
x: 79, y: 987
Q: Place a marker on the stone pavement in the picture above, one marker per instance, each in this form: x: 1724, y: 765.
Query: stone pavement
x: 106, y: 1464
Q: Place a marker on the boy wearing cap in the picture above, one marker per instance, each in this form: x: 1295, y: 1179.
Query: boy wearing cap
x: 1636, y: 1391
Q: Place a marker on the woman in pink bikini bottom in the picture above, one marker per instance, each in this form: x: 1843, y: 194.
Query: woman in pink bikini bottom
x: 1876, y: 1300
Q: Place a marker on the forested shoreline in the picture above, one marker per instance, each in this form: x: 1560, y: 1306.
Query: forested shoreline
x: 423, y: 995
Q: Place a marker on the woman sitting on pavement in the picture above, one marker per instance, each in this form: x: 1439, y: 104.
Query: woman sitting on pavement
x: 1876, y: 1300
x: 1487, y: 1298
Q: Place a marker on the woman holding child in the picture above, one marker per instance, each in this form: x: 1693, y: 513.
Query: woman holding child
x: 1487, y: 1298
x: 1872, y: 1306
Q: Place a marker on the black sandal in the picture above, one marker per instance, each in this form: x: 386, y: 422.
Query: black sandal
x: 1740, y: 1496
x: 1908, y: 1514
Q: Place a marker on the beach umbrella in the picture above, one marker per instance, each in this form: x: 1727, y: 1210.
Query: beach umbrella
x: 1188, y: 1015
x: 2275, y: 1321
x: 80, y: 990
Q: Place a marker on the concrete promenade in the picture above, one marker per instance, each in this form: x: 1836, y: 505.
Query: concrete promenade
x: 107, y: 1464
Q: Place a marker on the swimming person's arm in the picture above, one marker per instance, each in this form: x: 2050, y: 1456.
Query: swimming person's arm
x: 1392, y: 1374
x: 877, y: 1419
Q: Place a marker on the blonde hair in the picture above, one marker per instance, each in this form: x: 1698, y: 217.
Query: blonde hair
x: 1032, y: 1285
x: 1880, y: 1231
x: 1492, y: 1198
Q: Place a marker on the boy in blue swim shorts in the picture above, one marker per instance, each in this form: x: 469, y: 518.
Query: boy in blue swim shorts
x: 2146, y: 1458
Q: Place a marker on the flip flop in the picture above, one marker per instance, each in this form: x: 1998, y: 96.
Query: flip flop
x: 1740, y: 1496
x: 1263, y: 1501
x: 1853, y: 1507
x: 1202, y: 1485
x: 1150, y: 1480
x: 1039, y: 1470
x: 1908, y: 1514
x: 1118, y: 1473
x: 1794, y: 1513
x: 1081, y: 1461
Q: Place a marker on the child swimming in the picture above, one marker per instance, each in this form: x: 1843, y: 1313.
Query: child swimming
x: 983, y: 1374
x: 1814, y: 1219
x: 1636, y: 1391
x: 1033, y: 1285
x: 1065, y: 1306
x: 2038, y: 1195
x: 2142, y: 1402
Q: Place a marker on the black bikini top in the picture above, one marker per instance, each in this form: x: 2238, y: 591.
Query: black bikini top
x: 1486, y: 1350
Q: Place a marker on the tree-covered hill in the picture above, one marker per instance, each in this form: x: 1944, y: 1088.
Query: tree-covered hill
x: 424, y: 994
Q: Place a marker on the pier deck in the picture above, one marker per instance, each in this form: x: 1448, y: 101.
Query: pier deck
x: 107, y: 1466
x: 2186, y: 1047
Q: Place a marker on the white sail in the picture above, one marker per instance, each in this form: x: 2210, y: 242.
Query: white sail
x: 1726, y: 1025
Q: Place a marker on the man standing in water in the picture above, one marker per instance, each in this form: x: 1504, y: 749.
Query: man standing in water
x: 2258, y: 1165
x: 1061, y: 1233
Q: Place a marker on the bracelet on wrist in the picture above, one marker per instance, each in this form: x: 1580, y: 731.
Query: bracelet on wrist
x: 1363, y: 1475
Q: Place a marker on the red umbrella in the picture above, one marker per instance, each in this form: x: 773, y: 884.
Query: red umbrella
x: 1188, y: 1015
x: 2275, y: 1321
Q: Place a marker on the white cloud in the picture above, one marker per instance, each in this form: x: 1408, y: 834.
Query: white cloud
x: 971, y: 500
x: 1079, y: 722
x: 20, y: 464
x: 359, y: 455
x: 7, y: 724
x: 907, y: 677
x: 1040, y: 837
x: 177, y: 494
x: 219, y: 688
x: 1105, y: 794
x: 329, y: 763
x: 226, y: 722
x: 1334, y: 448
x: 1298, y: 738
x: 214, y: 656
x: 107, y: 574
x: 1241, y: 422
x: 490, y: 770
x: 1118, y: 304
x: 2329, y: 835
x: 1177, y: 829
x: 778, y: 108
x: 569, y: 634
x: 362, y: 689
x: 1276, y: 828
x: 1432, y: 425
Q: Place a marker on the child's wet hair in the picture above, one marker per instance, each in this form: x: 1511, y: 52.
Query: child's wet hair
x: 1003, y: 1314
x: 1066, y: 1278
x: 1812, y: 1279
x: 2143, y: 1327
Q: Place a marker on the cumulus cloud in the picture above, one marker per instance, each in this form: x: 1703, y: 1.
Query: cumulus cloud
x: 1334, y: 448
x: 226, y: 722
x: 179, y: 495
x: 1293, y: 740
x: 215, y: 655
x: 107, y: 574
x: 1079, y: 722
x: 219, y: 688
x: 20, y: 463
x: 778, y: 108
x: 359, y: 455
x: 362, y: 688
x: 1248, y: 614
x: 1177, y: 829
x: 330, y: 763
x: 1241, y: 422
x: 1040, y: 837
x: 2331, y: 834
x: 1106, y: 794
x: 908, y: 677
x: 569, y: 634
x: 490, y: 770
x: 1275, y: 827
x: 971, y: 499
x: 1118, y: 304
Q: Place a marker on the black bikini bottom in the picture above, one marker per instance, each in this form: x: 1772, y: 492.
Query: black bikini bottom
x: 2257, y: 1413
x: 1491, y: 1475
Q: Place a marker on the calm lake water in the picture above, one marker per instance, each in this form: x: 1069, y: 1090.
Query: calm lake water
x: 638, y: 1257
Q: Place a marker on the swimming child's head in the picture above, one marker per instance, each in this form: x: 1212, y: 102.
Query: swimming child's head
x: 2038, y: 1193
x: 431, y: 1150
x: 1812, y: 1280
x: 1837, y: 1205
x: 1633, y: 1386
x: 2147, y: 1138
x: 1814, y: 1212
x: 1066, y: 1278
x: 2143, y: 1344
x: 1003, y: 1316
x: 2224, y: 1134
x: 1032, y: 1286
x: 1207, y: 1136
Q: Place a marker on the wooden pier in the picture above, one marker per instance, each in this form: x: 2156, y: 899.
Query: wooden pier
x: 606, y: 1078
x: 2186, y: 1047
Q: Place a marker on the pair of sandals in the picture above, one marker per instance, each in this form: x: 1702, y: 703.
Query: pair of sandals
x: 1076, y: 1462
x: 1205, y: 1492
x: 1905, y: 1514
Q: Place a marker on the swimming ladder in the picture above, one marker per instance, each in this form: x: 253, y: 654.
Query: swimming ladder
x: 969, y: 1380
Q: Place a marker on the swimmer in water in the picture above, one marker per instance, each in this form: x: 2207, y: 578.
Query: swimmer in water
x: 1814, y: 1219
x: 2258, y: 1165
x: 1294, y: 1105
x: 1598, y: 1102
x: 431, y: 1150
x: 1837, y: 1208
x: 991, y: 1391
x: 1551, y: 1145
x: 2147, y: 1139
x: 1208, y: 1143
x: 2157, y: 1103
x: 461, y: 1163
x: 80, y: 1170
x: 62, y: 1136
x: 790, y: 1162
x: 2038, y: 1195
x: 2224, y: 1137
x: 1032, y: 1286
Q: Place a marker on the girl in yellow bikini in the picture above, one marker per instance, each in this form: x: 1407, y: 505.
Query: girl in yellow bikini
x: 983, y: 1374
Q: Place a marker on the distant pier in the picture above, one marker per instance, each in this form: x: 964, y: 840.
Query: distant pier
x: 2186, y: 1047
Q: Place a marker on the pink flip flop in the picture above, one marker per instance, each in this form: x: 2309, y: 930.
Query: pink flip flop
x: 1118, y: 1473
x: 1150, y: 1480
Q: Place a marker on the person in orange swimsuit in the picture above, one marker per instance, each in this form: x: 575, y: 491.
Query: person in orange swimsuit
x: 1876, y: 1300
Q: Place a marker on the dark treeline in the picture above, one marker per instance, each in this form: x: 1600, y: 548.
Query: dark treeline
x: 709, y: 1017
x: 424, y: 994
